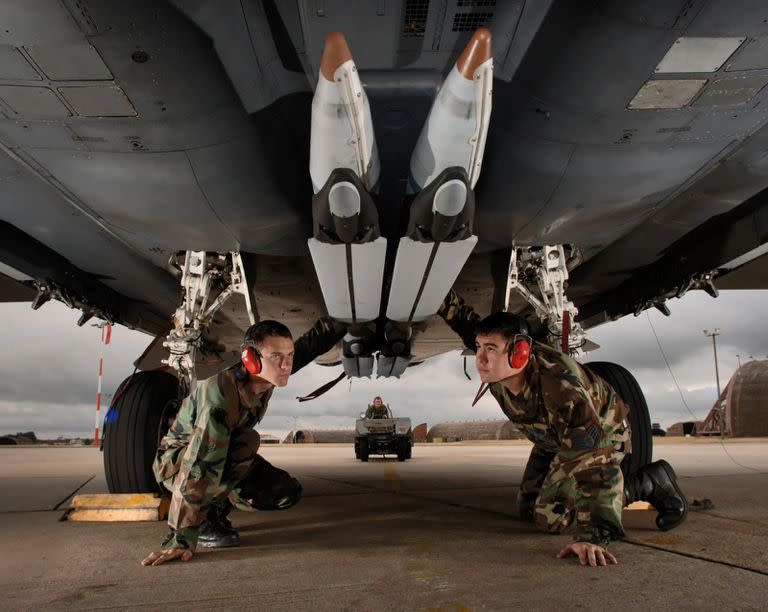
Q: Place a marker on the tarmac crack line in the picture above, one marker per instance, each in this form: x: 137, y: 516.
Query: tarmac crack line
x: 510, y: 515
x: 291, y: 593
x: 756, y: 473
x: 695, y: 556
x: 708, y: 514
x: 56, y: 507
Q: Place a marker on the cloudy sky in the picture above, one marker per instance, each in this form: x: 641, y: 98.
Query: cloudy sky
x: 49, y: 369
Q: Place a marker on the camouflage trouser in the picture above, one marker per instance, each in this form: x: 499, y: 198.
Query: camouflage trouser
x: 248, y: 479
x: 533, y: 477
x: 548, y: 491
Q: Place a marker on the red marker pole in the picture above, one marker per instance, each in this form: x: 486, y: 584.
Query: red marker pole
x: 106, y: 335
x: 98, y: 389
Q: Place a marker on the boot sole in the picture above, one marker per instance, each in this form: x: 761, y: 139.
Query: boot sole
x: 673, y: 479
x: 221, y: 543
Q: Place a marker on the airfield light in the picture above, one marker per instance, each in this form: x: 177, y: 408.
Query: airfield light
x: 714, y: 333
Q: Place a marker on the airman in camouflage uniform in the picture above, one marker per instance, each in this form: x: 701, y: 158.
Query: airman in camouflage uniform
x: 579, y: 427
x: 209, y: 455
x: 377, y: 410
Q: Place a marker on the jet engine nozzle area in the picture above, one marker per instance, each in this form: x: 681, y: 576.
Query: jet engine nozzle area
x: 343, y: 212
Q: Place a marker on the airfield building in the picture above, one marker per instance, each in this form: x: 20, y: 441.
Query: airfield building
x: 474, y: 430
x: 743, y: 404
x: 322, y: 436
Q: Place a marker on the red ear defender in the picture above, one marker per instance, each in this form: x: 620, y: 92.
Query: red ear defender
x: 521, y: 351
x: 251, y: 360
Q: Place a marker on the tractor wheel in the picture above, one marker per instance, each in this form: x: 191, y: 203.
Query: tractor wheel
x: 363, y: 449
x: 402, y: 449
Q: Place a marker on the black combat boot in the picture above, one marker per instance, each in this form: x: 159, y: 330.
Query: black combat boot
x: 657, y: 483
x: 269, y: 488
x: 216, y: 531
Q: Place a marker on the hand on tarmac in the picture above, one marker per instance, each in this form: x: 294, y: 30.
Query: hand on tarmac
x: 589, y: 554
x: 168, y: 555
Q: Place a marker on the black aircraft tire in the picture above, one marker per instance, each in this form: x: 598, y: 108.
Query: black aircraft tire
x: 639, y: 418
x: 363, y: 449
x: 131, y: 431
x: 402, y: 449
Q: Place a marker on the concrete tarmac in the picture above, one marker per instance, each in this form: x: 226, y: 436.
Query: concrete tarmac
x: 438, y: 532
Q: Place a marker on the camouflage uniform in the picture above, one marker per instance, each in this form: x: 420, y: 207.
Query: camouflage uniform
x: 580, y: 431
x: 209, y: 452
x: 381, y: 412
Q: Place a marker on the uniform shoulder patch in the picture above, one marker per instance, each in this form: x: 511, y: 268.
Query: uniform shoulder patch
x: 588, y: 437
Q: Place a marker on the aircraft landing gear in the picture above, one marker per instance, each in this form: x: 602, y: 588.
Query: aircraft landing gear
x: 202, y: 275
x: 146, y: 403
x: 131, y: 429
x: 544, y: 270
x: 639, y: 419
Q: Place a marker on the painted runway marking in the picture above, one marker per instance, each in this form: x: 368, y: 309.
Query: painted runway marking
x: 390, y: 472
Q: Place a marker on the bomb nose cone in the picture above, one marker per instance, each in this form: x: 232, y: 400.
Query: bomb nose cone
x: 335, y: 53
x: 477, y: 51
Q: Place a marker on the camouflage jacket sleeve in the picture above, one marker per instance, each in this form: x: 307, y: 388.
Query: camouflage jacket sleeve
x: 588, y: 455
x: 199, y: 480
x: 318, y: 340
x: 460, y: 317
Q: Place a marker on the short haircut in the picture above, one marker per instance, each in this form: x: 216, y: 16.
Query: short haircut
x: 377, y: 397
x: 506, y: 324
x: 258, y: 332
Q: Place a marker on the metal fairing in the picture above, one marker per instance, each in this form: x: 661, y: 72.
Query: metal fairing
x: 132, y: 131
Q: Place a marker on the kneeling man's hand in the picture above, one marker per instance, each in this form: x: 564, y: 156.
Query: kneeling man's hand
x: 183, y: 554
x: 589, y: 554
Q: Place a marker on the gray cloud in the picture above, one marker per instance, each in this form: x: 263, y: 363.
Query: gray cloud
x: 49, y: 369
x: 631, y: 342
x: 736, y: 312
x: 435, y: 391
x: 47, y: 419
x: 49, y: 359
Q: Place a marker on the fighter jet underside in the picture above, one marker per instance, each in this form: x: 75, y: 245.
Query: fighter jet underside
x: 360, y: 158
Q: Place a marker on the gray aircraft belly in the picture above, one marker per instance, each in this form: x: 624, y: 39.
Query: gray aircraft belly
x: 174, y: 126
